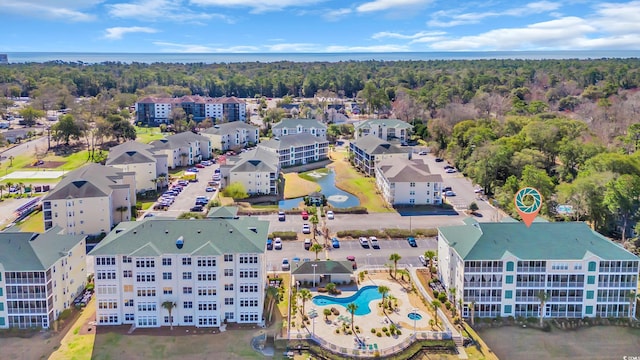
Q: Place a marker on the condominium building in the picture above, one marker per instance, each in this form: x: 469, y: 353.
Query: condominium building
x: 232, y: 136
x: 408, y: 182
x: 257, y: 171
x: 40, y: 275
x: 183, y: 149
x: 90, y: 200
x: 300, y: 126
x: 366, y: 151
x: 297, y: 149
x: 156, y: 110
x: 147, y: 163
x: 385, y: 129
x: 211, y: 270
x: 502, y: 268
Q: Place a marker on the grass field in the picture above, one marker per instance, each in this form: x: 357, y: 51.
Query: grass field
x: 350, y: 180
x: 597, y: 343
x: 305, y: 175
x: 148, y: 134
x: 295, y: 186
x: 34, y: 223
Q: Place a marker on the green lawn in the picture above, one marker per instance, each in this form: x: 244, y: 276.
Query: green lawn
x: 148, y: 134
x: 296, y: 186
x: 305, y: 175
x: 34, y: 223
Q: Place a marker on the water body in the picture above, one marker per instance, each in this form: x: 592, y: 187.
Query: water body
x: 362, y: 298
x: 216, y: 58
x: 336, y: 197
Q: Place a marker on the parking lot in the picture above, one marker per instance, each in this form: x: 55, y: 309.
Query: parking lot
x: 185, y: 200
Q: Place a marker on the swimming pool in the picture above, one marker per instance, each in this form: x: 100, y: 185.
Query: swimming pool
x: 362, y: 298
x: 414, y: 316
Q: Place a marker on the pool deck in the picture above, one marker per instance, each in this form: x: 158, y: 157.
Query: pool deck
x: 326, y: 330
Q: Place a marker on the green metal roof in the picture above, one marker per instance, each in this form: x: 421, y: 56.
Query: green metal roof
x: 541, y: 241
x: 294, y: 123
x: 324, y: 267
x: 28, y: 251
x: 223, y: 212
x: 389, y: 123
x: 156, y: 236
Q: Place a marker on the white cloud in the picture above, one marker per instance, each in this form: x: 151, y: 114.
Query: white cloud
x: 257, y: 5
x: 199, y: 48
x: 618, y: 18
x: 116, y: 33
x: 160, y: 10
x: 333, y: 15
x: 381, y: 5
x: 54, y: 9
x: 292, y: 47
x: 374, y: 48
x: 456, y: 18
x: 392, y: 35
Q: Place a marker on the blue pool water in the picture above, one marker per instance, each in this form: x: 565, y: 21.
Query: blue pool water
x: 362, y: 298
x: 414, y: 316
x: 336, y: 197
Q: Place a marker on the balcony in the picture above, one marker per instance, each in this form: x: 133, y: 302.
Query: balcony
x: 41, y: 311
x: 26, y: 296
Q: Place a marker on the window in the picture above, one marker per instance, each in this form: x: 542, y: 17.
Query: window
x: 166, y: 262
x: 166, y: 276
x: 588, y: 310
x: 1, y: 306
x: 412, y: 193
x: 507, y: 309
x: 167, y: 291
x: 187, y: 305
x: 126, y: 260
x: 207, y: 306
x: 508, y: 294
x: 589, y: 294
x: 228, y: 287
x: 591, y: 279
x: 509, y: 279
x: 228, y: 272
x: 207, y: 276
x: 167, y: 320
x: 187, y: 290
x: 412, y: 184
x: 186, y: 276
x: 127, y: 273
x: 592, y: 266
x: 228, y: 258
x: 188, y: 319
x: 105, y: 261
x: 186, y: 261
x: 128, y: 317
x: 228, y: 301
x: 128, y: 302
x: 228, y: 315
x: 509, y: 265
x: 206, y: 262
x: 128, y: 288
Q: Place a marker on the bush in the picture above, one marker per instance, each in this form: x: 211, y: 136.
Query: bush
x: 335, y: 311
x: 284, y: 235
x: 359, y: 233
x: 322, y: 290
x: 384, y: 329
x: 379, y: 334
x: 351, y: 210
x: 442, y: 297
x: 337, y: 331
x: 447, y: 305
x: 373, y: 331
x: 398, y: 332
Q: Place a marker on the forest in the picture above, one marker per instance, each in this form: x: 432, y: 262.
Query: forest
x: 567, y: 127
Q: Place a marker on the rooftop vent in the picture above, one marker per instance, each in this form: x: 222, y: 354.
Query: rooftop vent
x: 166, y: 231
x: 180, y: 242
x: 230, y: 231
x: 255, y: 230
x: 199, y: 231
x: 135, y: 232
x: 33, y: 237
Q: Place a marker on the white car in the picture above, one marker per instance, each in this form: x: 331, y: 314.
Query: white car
x: 306, y: 229
x: 450, y: 171
x: 374, y: 242
x: 364, y: 242
x: 285, y: 264
x: 330, y: 215
x: 450, y: 193
x: 277, y: 244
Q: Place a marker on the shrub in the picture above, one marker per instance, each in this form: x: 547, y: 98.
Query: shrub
x: 351, y: 210
x: 384, y: 329
x: 335, y: 311
x: 436, y: 293
x: 359, y: 233
x: 337, y: 331
x: 322, y: 290
x: 442, y: 297
x: 447, y: 305
x: 379, y: 334
x: 398, y: 332
x: 373, y: 331
x: 284, y: 235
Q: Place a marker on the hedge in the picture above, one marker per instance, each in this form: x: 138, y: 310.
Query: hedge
x: 350, y: 210
x: 388, y: 233
x: 284, y: 235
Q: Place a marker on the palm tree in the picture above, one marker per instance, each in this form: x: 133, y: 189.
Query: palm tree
x: 9, y: 185
x: 473, y: 313
x: 169, y: 305
x: 383, y: 290
x: 430, y: 254
x: 543, y: 296
x: 304, y: 295
x: 11, y: 161
x: 316, y: 248
x: 452, y: 293
x: 313, y: 219
x: 3, y: 187
x: 272, y: 295
x: 20, y: 187
x: 326, y: 312
x: 331, y: 288
x: 632, y: 296
x: 435, y: 304
x: 121, y: 210
x: 395, y: 257
x: 352, y: 308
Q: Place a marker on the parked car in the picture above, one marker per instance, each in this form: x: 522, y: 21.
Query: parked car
x: 422, y: 153
x: 479, y: 191
x: 447, y: 188
x: 364, y: 242
x: 210, y: 189
x: 412, y: 241
x: 277, y: 244
x: 305, y: 215
x: 307, y: 244
x: 306, y: 229
x: 352, y: 258
x: 450, y: 171
x: 373, y: 241
x: 423, y: 260
x: 285, y: 264
x: 200, y: 166
x: 282, y: 216
x: 330, y: 215
x: 450, y: 193
x: 335, y: 243
x: 439, y: 160
x: 269, y: 244
x: 197, y: 208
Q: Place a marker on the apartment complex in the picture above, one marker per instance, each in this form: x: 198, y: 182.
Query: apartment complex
x: 40, y: 275
x: 90, y: 200
x: 257, y: 171
x: 232, y: 136
x: 183, y: 149
x: 385, y: 129
x: 501, y: 268
x: 157, y: 110
x: 297, y: 149
x: 213, y: 270
x: 408, y: 182
x: 300, y: 126
x: 142, y: 159
x: 368, y: 150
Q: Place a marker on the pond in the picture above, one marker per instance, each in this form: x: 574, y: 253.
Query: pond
x: 336, y: 197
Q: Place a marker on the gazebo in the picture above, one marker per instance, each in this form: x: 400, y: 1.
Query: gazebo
x: 316, y: 198
x: 323, y: 272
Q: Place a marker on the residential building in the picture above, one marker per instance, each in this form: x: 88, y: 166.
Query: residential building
x: 408, y: 182
x: 258, y: 171
x: 385, y: 129
x: 297, y: 149
x: 232, y: 136
x: 368, y: 150
x: 156, y: 110
x: 299, y: 126
x: 501, y: 268
x: 90, y: 200
x: 183, y: 149
x: 147, y: 163
x: 40, y: 275
x: 213, y: 270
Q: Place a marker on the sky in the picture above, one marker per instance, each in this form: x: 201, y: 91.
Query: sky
x: 316, y: 26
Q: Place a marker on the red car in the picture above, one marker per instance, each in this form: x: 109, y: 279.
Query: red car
x: 200, y: 166
x: 305, y: 215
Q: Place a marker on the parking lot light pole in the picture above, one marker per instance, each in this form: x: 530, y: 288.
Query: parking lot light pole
x: 415, y: 317
x: 314, y: 274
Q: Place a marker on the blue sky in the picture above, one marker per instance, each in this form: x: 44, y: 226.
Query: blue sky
x: 258, y: 26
